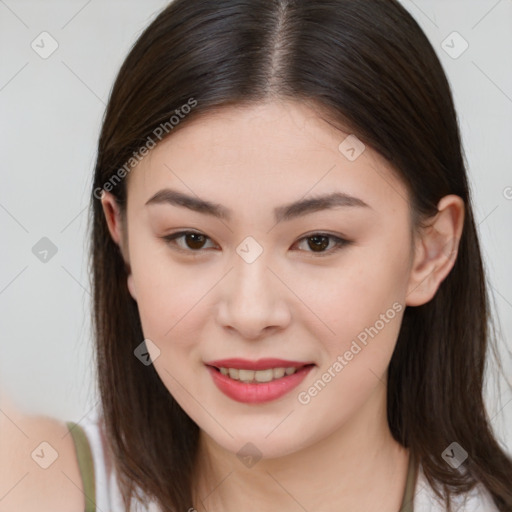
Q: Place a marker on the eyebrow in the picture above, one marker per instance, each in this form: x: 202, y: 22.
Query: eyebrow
x: 282, y: 213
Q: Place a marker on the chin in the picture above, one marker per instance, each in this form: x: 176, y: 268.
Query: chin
x: 258, y: 444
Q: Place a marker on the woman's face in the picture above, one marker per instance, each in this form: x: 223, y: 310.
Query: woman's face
x: 267, y: 279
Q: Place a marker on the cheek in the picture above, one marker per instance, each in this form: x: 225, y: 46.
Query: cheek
x: 167, y: 291
x: 173, y: 304
x: 354, y: 295
x: 169, y: 299
x: 362, y: 306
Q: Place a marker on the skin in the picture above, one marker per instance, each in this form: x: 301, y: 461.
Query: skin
x: 26, y: 486
x: 335, y: 452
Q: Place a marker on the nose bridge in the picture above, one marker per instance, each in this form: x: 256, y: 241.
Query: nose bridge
x: 251, y: 299
x: 251, y: 280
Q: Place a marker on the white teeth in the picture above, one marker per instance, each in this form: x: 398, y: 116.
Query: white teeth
x: 246, y: 375
x: 264, y: 375
x: 259, y: 375
x: 279, y: 372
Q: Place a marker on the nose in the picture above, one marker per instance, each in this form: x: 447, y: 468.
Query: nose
x: 253, y: 300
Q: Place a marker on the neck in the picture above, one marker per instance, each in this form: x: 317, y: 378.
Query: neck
x: 351, y: 469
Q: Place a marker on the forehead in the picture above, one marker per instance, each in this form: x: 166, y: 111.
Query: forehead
x: 261, y: 154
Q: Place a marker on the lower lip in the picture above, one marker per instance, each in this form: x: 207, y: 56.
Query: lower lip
x: 255, y: 393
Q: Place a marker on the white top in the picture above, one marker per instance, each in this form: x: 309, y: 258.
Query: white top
x: 109, y: 498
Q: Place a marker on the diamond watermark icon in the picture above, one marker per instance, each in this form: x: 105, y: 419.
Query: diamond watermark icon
x: 44, y: 250
x: 44, y: 45
x: 44, y: 455
x: 249, y: 250
x: 351, y: 148
x: 147, y: 352
x: 249, y: 455
x: 454, y: 45
x: 455, y: 455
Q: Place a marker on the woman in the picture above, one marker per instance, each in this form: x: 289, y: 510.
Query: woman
x: 289, y: 300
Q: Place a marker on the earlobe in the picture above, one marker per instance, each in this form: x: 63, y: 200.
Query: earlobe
x: 131, y: 287
x: 436, y: 251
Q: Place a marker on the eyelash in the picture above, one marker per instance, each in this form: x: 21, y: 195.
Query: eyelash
x: 339, y: 242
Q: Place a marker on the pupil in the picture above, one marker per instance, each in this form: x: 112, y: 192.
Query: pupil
x: 316, y: 240
x: 195, y: 241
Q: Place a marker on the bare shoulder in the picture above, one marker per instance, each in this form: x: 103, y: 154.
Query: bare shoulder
x: 38, y: 465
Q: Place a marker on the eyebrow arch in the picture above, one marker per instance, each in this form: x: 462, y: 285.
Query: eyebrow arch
x: 282, y: 213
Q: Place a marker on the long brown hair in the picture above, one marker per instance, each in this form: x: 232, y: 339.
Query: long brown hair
x: 368, y: 66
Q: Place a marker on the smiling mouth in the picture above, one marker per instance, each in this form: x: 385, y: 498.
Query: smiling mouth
x: 259, y: 376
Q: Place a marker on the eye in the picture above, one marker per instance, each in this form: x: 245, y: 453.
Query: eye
x: 194, y: 242
x: 318, y: 242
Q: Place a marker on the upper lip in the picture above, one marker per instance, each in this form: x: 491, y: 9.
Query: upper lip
x: 260, y: 364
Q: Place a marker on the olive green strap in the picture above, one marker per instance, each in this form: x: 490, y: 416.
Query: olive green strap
x: 85, y: 463
x: 410, y: 484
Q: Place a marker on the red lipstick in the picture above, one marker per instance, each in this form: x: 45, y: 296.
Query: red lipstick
x: 257, y: 392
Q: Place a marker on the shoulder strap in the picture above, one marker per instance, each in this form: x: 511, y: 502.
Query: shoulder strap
x: 410, y: 484
x: 85, y: 463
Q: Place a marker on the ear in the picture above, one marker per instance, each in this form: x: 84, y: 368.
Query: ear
x: 116, y: 228
x: 436, y: 250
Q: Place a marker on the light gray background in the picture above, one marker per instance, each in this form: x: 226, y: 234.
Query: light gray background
x: 50, y: 115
